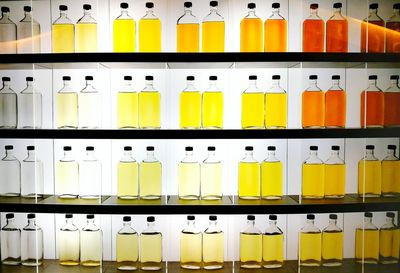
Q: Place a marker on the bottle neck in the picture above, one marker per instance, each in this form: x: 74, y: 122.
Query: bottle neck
x: 149, y: 85
x: 188, y: 154
x: 394, y: 83
x: 313, y: 12
x: 213, y: 224
x: 271, y: 156
x: 275, y: 11
x: 314, y: 154
x: 150, y: 225
x: 272, y: 223
x: 369, y: 154
x: 150, y: 12
x: 248, y: 154
x: 31, y: 155
x: 67, y: 84
x: 335, y: 153
x: 69, y: 221
x: 28, y: 16
x: 89, y: 83
x: 251, y: 223
x: 87, y: 13
x: 213, y: 85
x: 252, y: 84
x: 5, y: 15
x: 124, y: 12
x: 10, y: 221
x: 9, y: 152
x: 90, y: 222
x: 126, y: 224
x: 367, y: 220
x: 90, y: 155
x: 190, y: 85
x: 6, y: 84
x: 191, y: 224
x: 32, y: 222
x: 313, y: 85
x: 310, y: 222
x: 373, y: 12
x: 63, y: 14
x: 275, y: 83
x: 337, y: 11
x: 332, y: 222
x: 335, y: 85
x: 127, y: 155
x: 372, y: 84
x: 390, y: 221
x: 150, y: 157
x: 188, y: 11
x: 396, y: 12
x: 68, y: 156
x: 213, y: 10
x: 251, y: 13
x: 211, y: 153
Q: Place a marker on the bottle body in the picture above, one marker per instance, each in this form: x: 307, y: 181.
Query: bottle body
x: 127, y: 245
x: 191, y: 250
x: 249, y: 180
x: 313, y: 109
x: 67, y: 110
x: 86, y: 37
x: 67, y: 179
x: 127, y: 104
x: 275, y: 110
x: 32, y: 246
x: 213, y: 36
x: 91, y: 247
x: 253, y: 110
x: 32, y: 184
x: 213, y: 250
x: 8, y: 34
x: 310, y: 248
x: 275, y: 35
x: 372, y: 109
x: 68, y: 246
x: 273, y: 249
x: 128, y: 180
x: 90, y: 179
x: 332, y: 247
x: 150, y: 250
x: 211, y: 180
x: 337, y: 34
x: 271, y: 180
x: 313, y: 181
x: 30, y: 110
x: 251, y: 250
x: 373, y: 36
x: 150, y: 177
x: 10, y: 245
x: 89, y: 114
x: 335, y: 108
x: 212, y: 110
x: 190, y: 110
x: 367, y: 246
x: 390, y: 175
x: 149, y: 109
x: 313, y: 35
x: 392, y: 36
x: 335, y: 180
x: 150, y: 35
x: 369, y: 178
x: 63, y: 33
x: 28, y: 34
x: 124, y: 31
x: 189, y: 180
x: 251, y: 34
x: 8, y: 110
x: 10, y: 182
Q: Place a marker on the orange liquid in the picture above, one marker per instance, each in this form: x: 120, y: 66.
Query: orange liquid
x: 275, y: 36
x: 392, y: 109
x: 375, y: 37
x: 313, y: 36
x: 313, y: 109
x: 251, y: 34
x: 335, y: 108
x: 393, y: 37
x: 374, y: 109
x: 336, y: 36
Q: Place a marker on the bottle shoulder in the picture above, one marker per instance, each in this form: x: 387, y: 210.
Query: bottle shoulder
x: 127, y: 231
x: 213, y: 17
x: 188, y: 18
x: 86, y: 19
x: 310, y: 229
x: 63, y: 21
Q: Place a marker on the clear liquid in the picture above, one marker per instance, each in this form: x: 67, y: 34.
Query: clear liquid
x: 310, y: 249
x: 275, y: 110
x: 89, y: 179
x: 252, y: 110
x: 68, y: 247
x: 67, y: 110
x: 10, y: 179
x: 150, y: 176
x: 213, y: 39
x: 86, y: 37
x: 128, y: 180
x: 28, y: 34
x: 124, y: 35
x: 390, y: 177
x: 250, y: 250
x: 32, y: 182
x: 271, y: 180
x: 91, y: 248
x: 89, y: 110
x: 149, y: 110
x: 32, y: 247
x: 211, y: 181
x: 313, y: 181
x: 191, y: 250
x: 67, y: 179
x: 389, y: 245
x: 367, y: 246
x: 30, y: 110
x: 213, y: 250
x: 10, y: 246
x: 128, y: 116
x: 189, y: 180
x: 272, y: 250
x: 127, y: 251
x: 213, y: 110
x: 369, y: 178
x: 332, y: 248
x: 335, y: 180
x: 151, y: 251
x: 187, y: 36
x: 190, y: 110
x: 8, y: 37
x: 249, y: 180
x: 8, y: 110
x: 63, y: 38
x: 150, y: 35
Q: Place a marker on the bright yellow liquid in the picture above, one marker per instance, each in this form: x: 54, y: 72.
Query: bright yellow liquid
x: 213, y: 39
x: 189, y: 180
x: 63, y: 38
x: 213, y: 110
x: 86, y: 37
x: 251, y: 35
x: 67, y: 110
x: 91, y: 248
x: 150, y: 35
x: 150, y: 180
x: 68, y: 247
x: 251, y: 250
x: 275, y: 110
x: 249, y: 180
x: 310, y: 249
x: 367, y: 246
x: 150, y: 251
x: 313, y: 181
x: 211, y: 181
x: 191, y: 250
x: 127, y: 251
x: 271, y: 180
x: 389, y: 245
x: 128, y: 180
x: 67, y: 179
x: 187, y: 37
x: 369, y: 178
x: 252, y: 110
x: 127, y: 116
x: 124, y: 35
x: 332, y: 248
x: 390, y: 177
x: 190, y: 110
x: 272, y: 250
x: 213, y: 250
x: 149, y: 109
x: 335, y: 180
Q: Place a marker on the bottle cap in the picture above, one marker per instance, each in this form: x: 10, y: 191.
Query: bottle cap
x: 90, y: 216
x: 333, y: 216
x: 373, y: 77
x: 251, y: 217
x: 251, y: 5
x: 335, y: 148
x: 314, y: 148
x: 337, y: 5
x: 369, y: 147
x: 190, y: 78
x: 9, y: 215
x: 335, y: 77
x: 31, y: 216
x: 89, y: 78
x: 27, y: 8
x: 391, y: 147
x: 187, y: 4
x: 213, y: 78
x: 68, y: 216
x: 313, y: 77
x: 273, y: 217
x: 6, y: 79
x: 248, y: 148
x: 87, y: 7
x: 89, y: 148
x: 276, y: 77
x: 126, y: 219
x: 63, y: 7
x: 127, y: 78
x: 253, y: 77
x: 5, y: 9
x: 151, y: 219
x: 29, y: 79
x: 368, y: 214
x: 30, y: 148
x: 9, y: 147
x: 149, y: 78
x: 276, y: 5
x: 271, y: 148
x: 314, y: 6
x: 310, y: 216
x: 212, y: 217
x: 188, y: 149
x: 66, y: 78
x: 190, y: 217
x: 211, y: 148
x: 127, y: 148
x: 213, y: 4
x: 394, y: 77
x: 373, y: 6
x: 150, y: 148
x: 396, y: 6
x: 149, y: 5
x: 67, y: 148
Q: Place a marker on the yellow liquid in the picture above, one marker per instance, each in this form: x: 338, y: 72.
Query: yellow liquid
x: 67, y: 179
x: 63, y: 38
x: 213, y: 110
x: 251, y: 35
x: 332, y: 248
x: 191, y: 250
x: 149, y: 109
x: 271, y: 180
x: 313, y: 181
x: 91, y: 248
x: 213, y: 250
x: 86, y: 37
x: 187, y: 37
x: 211, y: 181
x: 252, y: 110
x: 127, y: 251
x: 189, y: 180
x: 310, y: 249
x: 213, y: 39
x: 275, y: 110
x: 335, y: 180
x: 127, y: 116
x: 390, y: 177
x: 249, y: 180
x: 389, y: 245
x: 369, y: 178
x: 124, y: 35
x: 68, y: 247
x: 251, y: 250
x: 190, y: 110
x: 150, y: 251
x: 272, y: 250
x: 367, y: 246
x: 150, y: 35
x: 150, y: 180
x: 128, y: 180
x: 67, y: 110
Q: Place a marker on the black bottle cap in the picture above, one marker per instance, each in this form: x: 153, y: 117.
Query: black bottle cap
x: 211, y: 148
x: 314, y: 6
x: 123, y: 5
x: 6, y: 79
x: 369, y: 147
x: 150, y: 219
x: 149, y: 78
x: 30, y: 148
x: 313, y: 77
x: 213, y: 78
x: 276, y: 5
x: 251, y: 217
x: 394, y: 77
x: 89, y: 78
x: 127, y: 78
x: 149, y: 5
x: 251, y: 5
x: 5, y: 9
x: 373, y: 77
x: 90, y: 216
x: 68, y: 216
x: 127, y: 148
x: 335, y: 148
x: 314, y: 148
x: 150, y: 148
x: 391, y: 147
x: 89, y: 148
x: 63, y: 7
x: 66, y: 78
x: 213, y: 4
x: 187, y: 4
x: 333, y: 216
x: 253, y: 77
x: 212, y: 217
x: 190, y: 217
x: 396, y: 6
x: 335, y: 77
x: 190, y: 78
x: 373, y: 6
x: 188, y: 149
x: 9, y: 215
x: 337, y: 5
x: 271, y: 148
x: 9, y: 147
x: 87, y: 7
x: 126, y: 219
x: 368, y: 214
x: 27, y: 8
x: 31, y: 216
x: 310, y: 216
x: 248, y: 148
x: 67, y: 148
x: 273, y: 217
x: 276, y: 77
x: 29, y: 79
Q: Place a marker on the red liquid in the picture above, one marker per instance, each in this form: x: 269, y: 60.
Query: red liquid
x: 374, y: 110
x: 375, y: 37
x: 336, y: 36
x: 393, y: 37
x: 313, y: 36
x: 335, y: 108
x: 392, y: 109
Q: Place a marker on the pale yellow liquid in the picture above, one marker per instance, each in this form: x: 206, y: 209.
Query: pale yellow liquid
x: 390, y: 177
x: 272, y: 250
x: 335, y: 180
x: 67, y: 179
x: 190, y: 110
x: 63, y: 38
x: 128, y: 180
x: 187, y: 37
x: 86, y: 37
x: 189, y: 180
x: 150, y: 251
x: 310, y: 249
x: 249, y: 180
x: 332, y: 248
x: 369, y: 178
x: 127, y: 251
x: 211, y: 181
x: 89, y: 105
x: 149, y: 110
x: 271, y: 180
x: 68, y: 247
x: 213, y: 250
x: 91, y: 248
x: 389, y: 245
x: 127, y: 107
x: 367, y: 246
x: 191, y: 250
x: 213, y: 39
x: 252, y: 110
x: 67, y: 110
x: 251, y: 250
x: 213, y: 110
x: 150, y: 35
x: 313, y: 181
x: 275, y: 110
x: 150, y: 180
x: 124, y: 35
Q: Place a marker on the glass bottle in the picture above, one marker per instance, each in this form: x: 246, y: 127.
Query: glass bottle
x: 313, y: 31
x: 275, y: 105
x: 213, y: 245
x: 32, y: 183
x: 10, y: 242
x: 313, y: 105
x: 149, y: 106
x: 211, y: 176
x: 191, y: 245
x: 67, y: 175
x: 335, y: 105
x: 10, y: 169
x: 249, y: 176
x: 189, y: 176
x: 127, y: 246
x: 86, y: 31
x: 32, y: 243
x: 127, y: 106
x: 150, y: 176
x: 28, y: 33
x: 389, y: 241
x: 391, y: 101
x: 150, y: 247
x: 335, y: 175
x: 251, y: 242
x: 332, y: 243
x: 337, y: 31
x: 8, y: 33
x: 253, y: 106
x: 30, y: 106
x: 187, y: 31
x: 213, y: 106
x: 90, y: 176
x: 89, y: 105
x: 373, y: 32
x: 273, y: 245
x: 91, y: 243
x: 372, y: 105
x: 124, y: 31
x: 8, y: 105
x: 128, y: 176
x: 150, y: 31
x: 190, y: 106
x: 271, y: 176
x: 367, y: 241
x: 313, y: 178
x: 369, y: 174
x: 275, y: 31
x: 310, y: 243
x: 390, y: 173
x: 67, y: 106
x: 63, y: 33
x: 69, y: 242
x: 213, y: 30
x: 251, y: 31
x: 392, y: 31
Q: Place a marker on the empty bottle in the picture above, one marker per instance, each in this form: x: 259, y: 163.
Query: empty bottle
x: 89, y: 106
x: 90, y: 176
x: 271, y: 176
x: 86, y: 31
x: 335, y: 105
x: 390, y: 173
x: 391, y: 95
x: 335, y: 175
x: 373, y: 32
x: 213, y: 245
x: 372, y: 105
x: 150, y: 31
x: 213, y: 30
x: 190, y: 106
x: 211, y: 176
x: 251, y: 242
x: 32, y: 243
x: 393, y: 31
x: 30, y: 106
x: 253, y: 106
x: 275, y: 105
x: 191, y: 245
x: 28, y: 33
x: 249, y: 176
x: 189, y: 176
x: 389, y: 241
x: 313, y: 105
x: 69, y: 242
x: 275, y: 31
x: 313, y: 31
x: 128, y: 176
x: 10, y: 242
x: 66, y: 106
x: 313, y: 176
x: 91, y: 243
x: 337, y: 31
x: 149, y: 106
x: 127, y: 246
x: 63, y: 33
x: 67, y: 175
x: 8, y: 105
x: 10, y: 169
x: 213, y: 106
x: 310, y: 243
x: 187, y: 31
x: 150, y: 247
x: 369, y: 174
x: 150, y: 176
x: 32, y: 184
x: 127, y: 106
x: 124, y: 31
x: 367, y: 241
x: 8, y: 33
x: 332, y: 243
x: 251, y: 31
x: 273, y: 245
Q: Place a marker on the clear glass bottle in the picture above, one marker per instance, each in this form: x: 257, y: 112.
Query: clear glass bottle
x: 390, y: 173
x: 372, y: 105
x: 32, y: 180
x: 67, y: 106
x: 8, y: 103
x: 127, y: 246
x: 213, y: 106
x: 28, y: 33
x: 213, y: 30
x: 187, y: 31
x: 391, y: 101
x: 63, y: 33
x: 149, y: 106
x: 273, y: 245
x: 373, y: 31
x: 313, y: 105
x: 89, y: 105
x: 213, y: 245
x: 8, y: 33
x: 313, y: 176
x: 251, y: 31
x: 367, y: 241
x: 67, y: 175
x: 150, y: 247
x: 32, y: 243
x: 90, y: 176
x: 124, y: 31
x: 369, y: 174
x: 335, y: 175
x: 150, y: 176
x: 251, y: 245
x: 313, y: 31
x: 150, y: 31
x: 86, y: 31
x: 389, y: 241
x: 128, y: 176
x: 275, y: 31
x: 191, y: 245
x: 30, y: 106
x: 10, y: 169
x: 392, y: 31
x: 335, y: 105
x: 275, y: 105
x: 211, y: 176
x: 127, y: 106
x: 253, y: 106
x: 91, y: 243
x: 189, y: 176
x: 190, y: 106
x: 310, y: 243
x: 249, y: 176
x: 271, y: 176
x: 10, y: 242
x: 332, y: 243
x: 69, y: 242
x: 337, y: 31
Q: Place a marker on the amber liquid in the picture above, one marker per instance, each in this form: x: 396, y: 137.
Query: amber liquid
x: 374, y: 110
x: 275, y: 36
x: 313, y: 109
x: 375, y: 38
x: 335, y: 108
x: 251, y: 35
x: 336, y: 36
x: 392, y: 37
x: 392, y: 109
x: 213, y: 37
x: 313, y: 36
x: 187, y: 36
